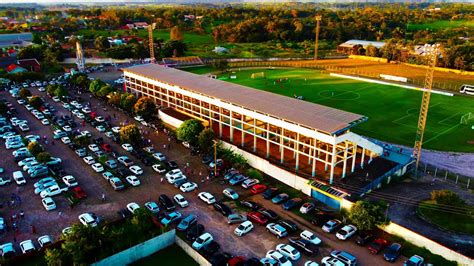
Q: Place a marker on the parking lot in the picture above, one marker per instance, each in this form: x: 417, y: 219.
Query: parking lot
x: 37, y: 221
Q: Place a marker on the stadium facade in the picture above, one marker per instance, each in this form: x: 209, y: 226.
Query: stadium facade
x: 301, y: 136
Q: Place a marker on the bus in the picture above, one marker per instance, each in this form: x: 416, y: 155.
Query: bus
x: 467, y: 89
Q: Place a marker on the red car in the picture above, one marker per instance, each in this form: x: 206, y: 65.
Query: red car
x: 239, y: 260
x: 78, y: 193
x: 377, y: 245
x: 257, y: 217
x: 106, y: 147
x: 258, y: 188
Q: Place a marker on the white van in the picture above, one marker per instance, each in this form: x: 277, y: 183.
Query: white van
x: 19, y: 178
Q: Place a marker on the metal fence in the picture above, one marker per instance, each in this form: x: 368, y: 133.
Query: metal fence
x: 440, y: 173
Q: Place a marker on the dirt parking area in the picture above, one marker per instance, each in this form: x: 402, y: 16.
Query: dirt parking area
x: 37, y: 221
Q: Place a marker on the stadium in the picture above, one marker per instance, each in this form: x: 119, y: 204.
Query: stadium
x: 306, y: 145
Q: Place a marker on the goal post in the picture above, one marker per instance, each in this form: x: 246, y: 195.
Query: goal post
x: 258, y: 75
x: 466, y: 119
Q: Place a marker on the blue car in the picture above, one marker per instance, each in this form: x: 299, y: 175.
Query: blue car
x: 280, y: 198
x: 237, y: 179
x: 170, y: 218
x: 392, y: 252
x: 186, y: 223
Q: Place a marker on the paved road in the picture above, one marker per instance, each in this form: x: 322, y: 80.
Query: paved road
x: 257, y: 243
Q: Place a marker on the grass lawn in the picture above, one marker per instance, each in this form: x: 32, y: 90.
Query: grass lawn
x: 169, y: 256
x: 392, y: 111
x: 440, y: 25
x: 450, y: 221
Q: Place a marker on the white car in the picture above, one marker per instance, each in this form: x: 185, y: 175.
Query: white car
x: 138, y: 118
x: 288, y: 251
x: 26, y: 161
x: 19, y: 178
x: 127, y: 147
x: 67, y: 128
x: 125, y: 160
x: 188, y: 187
x: 243, y: 228
x: 136, y: 169
x: 133, y: 180
x: 132, y: 207
x: 66, y: 140
x: 202, y: 240
x: 174, y: 172
x: 45, y: 121
x: 93, y: 147
x: 116, y: 129
x: 86, y: 110
x: 51, y: 191
x: 311, y: 237
x: 249, y: 183
x: 88, y: 160
x: 230, y: 193
x: 307, y: 207
x: 56, y: 99
x: 100, y: 128
x: 70, y: 181
x: 282, y: 260
x: 181, y: 201
x: 346, y: 232
x: 48, y: 203
x: 98, y: 168
x: 159, y: 168
x: 27, y: 246
x: 99, y: 119
x: 24, y: 127
x: 152, y: 206
x: 207, y: 197
x: 88, y: 219
x: 159, y: 156
x: 45, y: 240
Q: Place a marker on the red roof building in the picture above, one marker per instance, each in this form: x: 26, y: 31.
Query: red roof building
x: 30, y: 64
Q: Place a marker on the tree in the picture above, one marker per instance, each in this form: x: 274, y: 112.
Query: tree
x: 367, y: 215
x: 145, y: 107
x: 371, y: 51
x: 35, y: 148
x: 176, y: 34
x: 61, y: 91
x: 130, y: 134
x: 54, y: 257
x: 206, y: 140
x: 189, y: 131
x: 446, y: 197
x: 114, y: 98
x: 36, y: 102
x: 51, y: 89
x: 24, y: 93
x: 221, y: 64
x: 43, y: 157
x: 127, y: 101
x: 101, y: 43
x: 95, y: 85
x: 173, y: 48
x: 104, y: 91
x: 3, y: 108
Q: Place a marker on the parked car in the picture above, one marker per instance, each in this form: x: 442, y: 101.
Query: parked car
x: 243, y: 228
x: 230, y: 193
x: 166, y: 202
x: 210, y: 249
x: 278, y: 257
x: 181, y: 201
x: 207, y: 197
x: 187, y: 223
x: 45, y: 241
x: 89, y: 219
x: 132, y: 207
x: 250, y: 204
x: 159, y: 168
x: 48, y: 204
x: 288, y: 251
x: 304, y: 246
x: 269, y: 214
x: 280, y: 198
x: 292, y: 203
x: 276, y: 229
x: 170, y: 218
x: 414, y: 260
x: 116, y: 183
x: 377, y: 245
x: 27, y: 246
x: 307, y: 207
x: 257, y: 189
x: 222, y: 208
x: 392, y: 252
x: 152, y: 207
x: 311, y: 237
x: 250, y: 182
x: 289, y: 225
x: 78, y: 193
x: 257, y: 218
x: 194, y: 232
x: 346, y: 232
x: 363, y: 238
x: 344, y: 256
x: 133, y: 180
x: 188, y: 187
x: 331, y: 226
x: 202, y: 240
x: 235, y: 218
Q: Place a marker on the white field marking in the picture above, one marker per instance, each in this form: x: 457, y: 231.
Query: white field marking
x: 449, y: 117
x: 442, y: 133
x: 391, y: 84
x: 408, y: 114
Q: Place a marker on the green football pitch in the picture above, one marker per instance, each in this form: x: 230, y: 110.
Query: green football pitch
x: 392, y: 111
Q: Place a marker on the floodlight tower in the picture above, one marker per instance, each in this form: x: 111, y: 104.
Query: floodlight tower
x: 431, y: 52
x: 151, y: 27
x: 316, y: 42
x: 80, y: 60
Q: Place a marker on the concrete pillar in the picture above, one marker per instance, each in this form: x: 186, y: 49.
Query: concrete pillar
x: 220, y: 122
x: 231, y: 122
x: 370, y: 156
x: 362, y: 159
x: 333, y: 160
x: 242, y: 136
x: 296, y: 152
x: 268, y: 140
x: 313, y: 170
x: 354, y: 155
x: 344, y: 161
x: 254, y: 135
x: 327, y: 158
x: 282, y: 146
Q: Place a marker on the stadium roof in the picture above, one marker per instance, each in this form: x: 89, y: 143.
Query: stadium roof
x: 15, y: 39
x: 352, y: 43
x: 322, y: 118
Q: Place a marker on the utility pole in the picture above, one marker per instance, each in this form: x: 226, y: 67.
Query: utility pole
x: 80, y: 60
x: 431, y: 52
x: 316, y: 42
x: 151, y: 27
